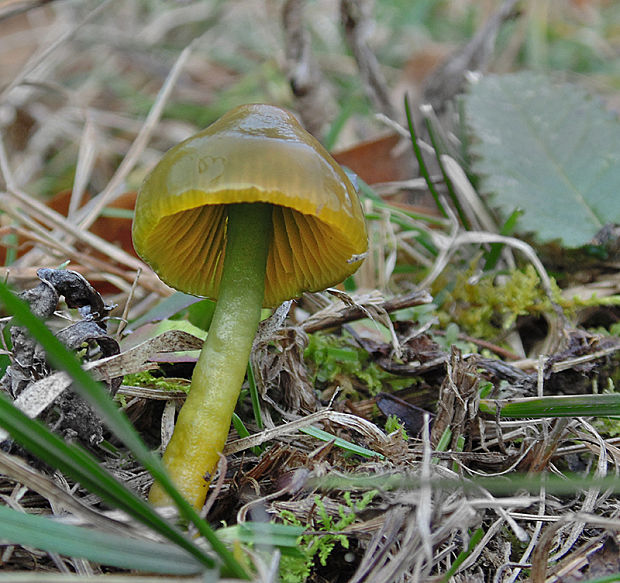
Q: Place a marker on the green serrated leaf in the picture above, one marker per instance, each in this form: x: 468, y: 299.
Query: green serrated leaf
x: 548, y: 149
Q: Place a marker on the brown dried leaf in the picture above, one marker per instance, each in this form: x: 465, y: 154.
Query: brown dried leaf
x: 281, y: 375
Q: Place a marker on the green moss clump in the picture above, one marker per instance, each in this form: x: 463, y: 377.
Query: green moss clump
x: 331, y: 357
x: 147, y: 379
x: 488, y: 305
x: 393, y: 423
x: 313, y: 547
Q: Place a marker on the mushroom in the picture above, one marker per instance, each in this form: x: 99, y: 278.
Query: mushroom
x: 251, y: 211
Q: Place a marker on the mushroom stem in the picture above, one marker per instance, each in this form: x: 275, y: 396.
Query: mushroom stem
x: 204, y: 420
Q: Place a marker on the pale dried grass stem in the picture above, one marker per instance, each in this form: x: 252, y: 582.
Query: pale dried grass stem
x: 38, y: 59
x: 114, y: 187
x: 87, y: 155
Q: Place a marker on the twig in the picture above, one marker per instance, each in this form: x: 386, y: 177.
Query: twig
x: 447, y: 81
x: 316, y: 103
x: 351, y: 313
x: 356, y: 26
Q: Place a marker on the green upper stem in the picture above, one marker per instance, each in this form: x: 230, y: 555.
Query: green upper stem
x: 204, y: 421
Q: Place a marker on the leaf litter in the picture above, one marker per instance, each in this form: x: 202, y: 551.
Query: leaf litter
x: 431, y: 515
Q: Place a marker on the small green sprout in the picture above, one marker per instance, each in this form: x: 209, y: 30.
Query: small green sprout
x: 393, y: 424
x: 319, y: 546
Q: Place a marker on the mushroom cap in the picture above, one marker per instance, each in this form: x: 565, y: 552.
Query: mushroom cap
x: 254, y: 153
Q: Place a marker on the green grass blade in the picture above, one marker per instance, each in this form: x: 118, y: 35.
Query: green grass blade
x: 82, y: 467
x: 606, y: 405
x: 101, y: 547
x: 255, y: 398
x: 418, y: 154
x: 613, y: 578
x: 339, y: 442
x: 242, y: 431
x: 460, y: 559
x: 169, y: 306
x: 239, y: 426
x: 492, y: 257
x: 566, y: 484
x: 282, y: 536
x: 451, y: 192
x: 117, y: 422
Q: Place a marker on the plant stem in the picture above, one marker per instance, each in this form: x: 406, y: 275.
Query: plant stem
x: 204, y: 421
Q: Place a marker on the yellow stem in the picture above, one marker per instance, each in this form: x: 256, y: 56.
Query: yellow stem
x: 204, y: 421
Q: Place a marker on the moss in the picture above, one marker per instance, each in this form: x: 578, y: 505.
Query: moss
x: 296, y: 569
x: 393, y: 423
x: 147, y: 379
x: 336, y: 357
x: 488, y: 305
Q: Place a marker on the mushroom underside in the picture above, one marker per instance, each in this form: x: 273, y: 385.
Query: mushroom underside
x: 306, y: 254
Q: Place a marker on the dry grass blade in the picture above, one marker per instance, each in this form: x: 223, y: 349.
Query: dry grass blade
x: 87, y: 155
x: 114, y: 186
x: 38, y: 59
x: 55, y: 220
x: 360, y: 425
x: 378, y: 550
x: 18, y: 470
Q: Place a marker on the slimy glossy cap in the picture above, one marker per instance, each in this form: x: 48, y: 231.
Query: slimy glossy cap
x: 254, y: 153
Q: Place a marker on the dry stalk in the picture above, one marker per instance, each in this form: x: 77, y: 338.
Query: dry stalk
x: 356, y: 23
x: 315, y: 103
